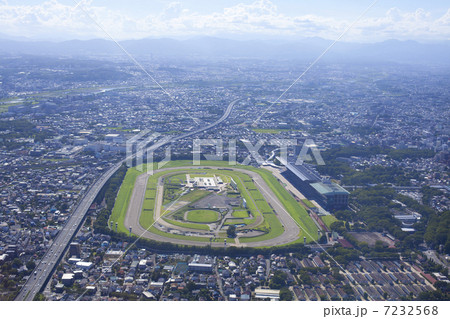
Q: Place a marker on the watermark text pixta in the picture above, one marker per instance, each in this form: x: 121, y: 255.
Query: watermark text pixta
x: 253, y: 150
x: 139, y: 147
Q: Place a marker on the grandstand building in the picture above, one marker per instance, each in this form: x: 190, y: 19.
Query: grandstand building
x: 307, y: 180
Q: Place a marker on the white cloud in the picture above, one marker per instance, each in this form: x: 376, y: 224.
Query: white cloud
x: 173, y: 10
x: 260, y: 18
x: 398, y: 24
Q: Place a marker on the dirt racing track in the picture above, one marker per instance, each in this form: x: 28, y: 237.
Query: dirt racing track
x: 135, y: 208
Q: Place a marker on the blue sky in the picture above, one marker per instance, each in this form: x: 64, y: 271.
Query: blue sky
x: 395, y: 19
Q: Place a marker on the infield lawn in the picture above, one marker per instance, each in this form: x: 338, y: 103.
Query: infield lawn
x: 255, y: 201
x: 202, y: 216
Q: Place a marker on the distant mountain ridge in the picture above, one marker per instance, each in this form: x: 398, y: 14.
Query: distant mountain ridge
x: 395, y: 51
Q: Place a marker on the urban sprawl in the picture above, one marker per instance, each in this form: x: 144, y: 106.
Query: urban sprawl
x: 380, y: 199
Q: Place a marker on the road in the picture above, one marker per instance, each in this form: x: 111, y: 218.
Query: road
x: 45, y: 267
x: 49, y: 261
x: 431, y: 254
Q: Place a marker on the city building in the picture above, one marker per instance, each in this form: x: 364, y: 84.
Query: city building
x: 304, y: 177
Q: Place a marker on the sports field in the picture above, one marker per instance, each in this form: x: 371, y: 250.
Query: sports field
x: 202, y: 216
x: 240, y: 214
x: 264, y: 212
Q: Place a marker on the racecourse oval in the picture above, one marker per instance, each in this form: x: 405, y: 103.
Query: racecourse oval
x: 141, y: 209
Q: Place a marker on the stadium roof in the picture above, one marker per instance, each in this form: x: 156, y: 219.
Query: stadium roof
x: 329, y: 189
x: 301, y: 171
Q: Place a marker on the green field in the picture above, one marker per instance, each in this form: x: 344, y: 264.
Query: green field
x: 172, y: 190
x: 123, y: 198
x: 271, y: 224
x: 308, y: 203
x: 202, y: 216
x: 240, y: 214
x: 187, y: 225
x: 171, y: 193
x: 255, y: 201
x: 146, y: 219
x: 237, y: 221
x: 176, y: 179
x: 194, y: 195
x: 328, y: 220
x: 297, y: 211
x: 120, y: 129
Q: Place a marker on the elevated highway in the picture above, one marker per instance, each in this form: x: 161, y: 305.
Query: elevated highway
x: 49, y: 261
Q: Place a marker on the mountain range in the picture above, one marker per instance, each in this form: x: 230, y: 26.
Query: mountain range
x: 308, y: 49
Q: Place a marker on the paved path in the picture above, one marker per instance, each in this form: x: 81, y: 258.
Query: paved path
x: 431, y: 254
x: 259, y: 219
x: 276, y: 172
x: 291, y: 230
x: 136, y: 201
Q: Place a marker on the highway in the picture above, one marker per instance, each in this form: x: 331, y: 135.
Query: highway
x: 49, y: 261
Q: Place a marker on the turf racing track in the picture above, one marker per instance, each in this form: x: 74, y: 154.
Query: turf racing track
x: 148, y: 223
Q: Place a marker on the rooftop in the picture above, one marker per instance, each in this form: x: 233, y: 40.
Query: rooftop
x: 302, y: 171
x: 329, y: 188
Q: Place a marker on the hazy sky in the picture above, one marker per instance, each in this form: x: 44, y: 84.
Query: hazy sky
x: 257, y: 19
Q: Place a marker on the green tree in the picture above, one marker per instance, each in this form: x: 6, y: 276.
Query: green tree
x: 278, y: 280
x: 39, y: 297
x: 31, y: 265
x: 17, y: 263
x: 286, y: 294
x: 231, y: 231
